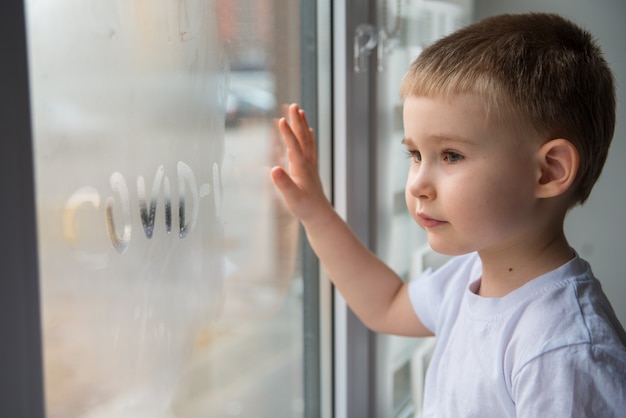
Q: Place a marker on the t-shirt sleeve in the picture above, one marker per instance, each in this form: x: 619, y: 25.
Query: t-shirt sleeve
x: 425, y: 298
x: 436, y: 293
x: 573, y: 381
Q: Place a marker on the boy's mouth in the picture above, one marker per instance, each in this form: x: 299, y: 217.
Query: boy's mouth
x: 428, y: 222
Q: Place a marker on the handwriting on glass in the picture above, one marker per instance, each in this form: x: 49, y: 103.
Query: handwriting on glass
x: 189, y: 195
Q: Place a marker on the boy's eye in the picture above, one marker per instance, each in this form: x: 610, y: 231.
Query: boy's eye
x: 414, y: 155
x: 452, y: 157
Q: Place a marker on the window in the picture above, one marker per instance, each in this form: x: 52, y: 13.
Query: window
x: 171, y: 275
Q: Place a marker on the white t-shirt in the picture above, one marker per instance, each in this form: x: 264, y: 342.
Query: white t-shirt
x: 552, y: 348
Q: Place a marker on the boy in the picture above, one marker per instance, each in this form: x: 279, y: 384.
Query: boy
x: 507, y: 123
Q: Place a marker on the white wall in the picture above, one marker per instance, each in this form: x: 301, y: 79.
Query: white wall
x: 596, y: 230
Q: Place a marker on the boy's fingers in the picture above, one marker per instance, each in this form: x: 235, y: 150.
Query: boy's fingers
x: 278, y: 176
x: 291, y: 141
x: 301, y: 129
x: 285, y: 184
x: 313, y: 149
x: 310, y: 148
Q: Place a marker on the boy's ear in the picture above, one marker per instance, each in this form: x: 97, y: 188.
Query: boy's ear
x: 558, y: 165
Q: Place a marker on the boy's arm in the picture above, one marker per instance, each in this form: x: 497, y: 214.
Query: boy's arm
x: 373, y: 291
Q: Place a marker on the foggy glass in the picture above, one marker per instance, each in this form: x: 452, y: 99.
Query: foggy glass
x: 169, y: 284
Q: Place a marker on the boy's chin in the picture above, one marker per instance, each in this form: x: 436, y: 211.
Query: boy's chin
x: 446, y: 249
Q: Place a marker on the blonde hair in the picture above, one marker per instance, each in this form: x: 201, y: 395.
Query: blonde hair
x: 540, y: 71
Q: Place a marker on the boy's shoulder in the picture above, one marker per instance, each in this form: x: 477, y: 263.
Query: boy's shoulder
x: 569, y: 343
x: 567, y: 308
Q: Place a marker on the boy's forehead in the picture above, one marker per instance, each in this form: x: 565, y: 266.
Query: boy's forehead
x: 437, y: 107
x: 463, y: 118
x: 460, y: 100
x: 479, y: 105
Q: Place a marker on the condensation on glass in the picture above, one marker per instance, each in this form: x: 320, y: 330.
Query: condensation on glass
x: 169, y: 281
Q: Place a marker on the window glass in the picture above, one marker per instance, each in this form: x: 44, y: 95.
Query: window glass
x: 170, y: 282
x: 403, y: 30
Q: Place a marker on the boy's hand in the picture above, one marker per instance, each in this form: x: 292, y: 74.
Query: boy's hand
x: 375, y: 292
x: 301, y: 189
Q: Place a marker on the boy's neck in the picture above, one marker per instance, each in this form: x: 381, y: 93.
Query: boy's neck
x: 507, y: 269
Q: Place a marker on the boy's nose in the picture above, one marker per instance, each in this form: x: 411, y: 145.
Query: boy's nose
x: 420, y: 185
